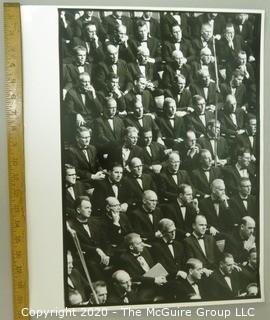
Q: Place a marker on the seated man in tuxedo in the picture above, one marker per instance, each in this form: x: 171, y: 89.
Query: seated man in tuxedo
x: 112, y: 21
x: 248, y: 139
x: 190, y: 288
x: 241, y: 169
x: 251, y: 269
x: 142, y: 66
x: 137, y: 260
x: 109, y: 128
x: 215, y: 143
x: 127, y: 150
x: 168, y: 251
x: 205, y: 87
x: 112, y: 64
x: 182, y: 211
x: 198, y: 120
x: 111, y: 186
x: 91, y: 237
x: 189, y: 151
x: 176, y: 67
x: 121, y: 291
x: 83, y: 156
x: 180, y: 93
x: 72, y: 70
x: 242, y: 240
x: 206, y: 62
x: 142, y: 39
x: 154, y: 153
x: 143, y: 122
x: 171, y: 177
x: 205, y: 40
x: 112, y: 90
x: 145, y: 217
x: 136, y: 182
x: 171, y: 126
x: 243, y: 203
x: 177, y: 43
x: 152, y: 24
x: 206, y: 173
x: 73, y: 189
x: 140, y: 93
x: 101, y: 291
x: 217, y: 210
x: 225, y: 282
x: 81, y: 105
x: 91, y: 42
x: 201, y: 245
x: 78, y: 289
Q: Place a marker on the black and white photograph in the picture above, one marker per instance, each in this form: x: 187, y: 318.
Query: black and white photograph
x: 161, y: 152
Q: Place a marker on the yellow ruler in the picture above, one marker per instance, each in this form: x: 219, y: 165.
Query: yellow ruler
x: 14, y: 106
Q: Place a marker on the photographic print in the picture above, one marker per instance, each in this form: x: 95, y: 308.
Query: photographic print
x: 161, y: 145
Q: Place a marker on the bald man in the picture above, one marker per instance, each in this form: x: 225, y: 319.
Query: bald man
x: 145, y: 217
x: 112, y: 64
x: 242, y: 240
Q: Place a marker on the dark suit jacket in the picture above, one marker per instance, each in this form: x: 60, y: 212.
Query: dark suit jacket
x: 222, y: 146
x: 196, y: 66
x: 142, y: 224
x: 110, y: 24
x: 130, y: 263
x: 71, y: 74
x: 170, y: 72
x: 185, y: 98
x: 80, y: 286
x: 239, y: 210
x: 152, y: 44
x: 186, y: 291
x: 147, y: 101
x: 105, y: 93
x: 104, y: 134
x: 154, y: 27
x: 167, y: 186
x: 193, y: 250
x: 242, y: 140
x: 150, y: 72
x: 157, y: 155
x: 116, y: 297
x: 200, y: 182
x: 173, y: 211
x: 223, y: 222
x: 240, y: 93
x: 170, y: 133
x: 81, y: 22
x: 185, y: 46
x: 195, y: 88
x: 95, y: 54
x: 84, y: 169
x: 193, y: 122
x: 227, y: 126
x: 166, y: 23
x: 198, y: 45
x: 102, y: 71
x: 79, y: 190
x: 226, y: 54
x: 162, y: 254
x: 218, y: 288
x: 135, y: 191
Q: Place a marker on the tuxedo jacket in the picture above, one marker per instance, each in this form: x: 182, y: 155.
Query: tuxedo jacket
x: 105, y: 93
x: 197, y: 45
x: 200, y: 181
x: 185, y: 98
x: 110, y: 24
x: 102, y: 71
x: 142, y: 224
x: 116, y: 297
x: 103, y: 190
x: 84, y: 168
x: 130, y: 263
x: 193, y: 250
x: 170, y: 133
x: 157, y: 154
x: 239, y: 210
x: 186, y: 291
x: 173, y: 211
x: 223, y: 222
x: 163, y: 255
x: 71, y: 74
x: 232, y: 178
x: 187, y: 162
x: 226, y: 54
x: 242, y: 140
x: 185, y: 46
x: 135, y: 191
x: 154, y: 27
x: 218, y: 289
x: 74, y: 105
x: 150, y: 72
x: 167, y: 186
x: 147, y: 101
x: 219, y: 23
x: 104, y: 134
x: 95, y: 53
x: 148, y: 124
x: 227, y: 127
x: 222, y: 146
x: 81, y: 22
x: 170, y: 72
x: 193, y: 122
x: 211, y: 98
x: 249, y: 275
x: 79, y: 190
x: 79, y: 286
x: 240, y: 93
x: 153, y: 46
x: 166, y: 23
x: 196, y: 66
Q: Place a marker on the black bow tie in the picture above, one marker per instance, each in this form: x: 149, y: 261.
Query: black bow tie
x: 169, y: 243
x: 200, y: 237
x: 69, y: 186
x: 206, y: 170
x: 84, y: 223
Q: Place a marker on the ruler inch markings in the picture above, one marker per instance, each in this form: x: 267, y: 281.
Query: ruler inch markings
x: 16, y: 169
